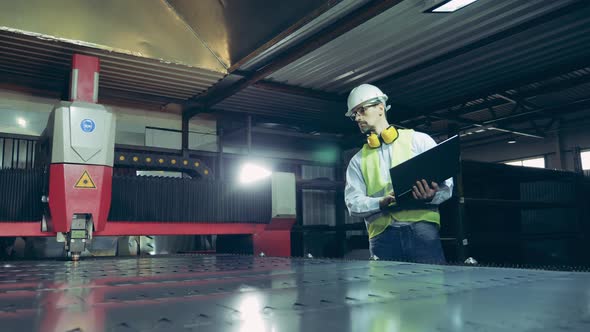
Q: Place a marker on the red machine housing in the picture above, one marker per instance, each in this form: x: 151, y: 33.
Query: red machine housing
x: 80, y: 188
x: 66, y: 199
x: 84, y: 80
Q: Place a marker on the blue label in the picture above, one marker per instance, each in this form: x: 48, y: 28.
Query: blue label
x: 87, y: 125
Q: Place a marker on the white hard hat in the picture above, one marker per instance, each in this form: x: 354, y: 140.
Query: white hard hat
x: 365, y: 93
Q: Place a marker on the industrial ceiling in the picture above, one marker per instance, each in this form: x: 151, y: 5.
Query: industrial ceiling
x: 494, y: 69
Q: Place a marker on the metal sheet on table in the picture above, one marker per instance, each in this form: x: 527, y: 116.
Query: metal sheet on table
x: 242, y: 293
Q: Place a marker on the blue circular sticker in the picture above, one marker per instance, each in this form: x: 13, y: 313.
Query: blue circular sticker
x: 87, y: 125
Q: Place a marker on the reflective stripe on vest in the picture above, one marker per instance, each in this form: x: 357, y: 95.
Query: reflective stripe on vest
x: 401, y: 150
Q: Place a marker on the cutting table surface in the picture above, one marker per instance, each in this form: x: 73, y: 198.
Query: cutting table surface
x: 244, y: 293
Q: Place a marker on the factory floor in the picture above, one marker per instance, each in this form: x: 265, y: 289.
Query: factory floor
x: 245, y: 293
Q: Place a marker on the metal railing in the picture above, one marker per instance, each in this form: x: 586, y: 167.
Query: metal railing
x: 17, y: 151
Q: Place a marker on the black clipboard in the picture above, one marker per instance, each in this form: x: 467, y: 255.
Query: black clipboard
x: 437, y: 164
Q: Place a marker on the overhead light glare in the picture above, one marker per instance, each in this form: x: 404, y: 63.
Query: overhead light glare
x: 252, y: 173
x: 450, y: 6
x: 511, y: 141
x: 477, y: 130
x: 21, y: 122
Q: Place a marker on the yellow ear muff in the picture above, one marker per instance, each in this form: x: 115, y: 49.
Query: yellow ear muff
x: 389, y: 134
x: 373, y: 140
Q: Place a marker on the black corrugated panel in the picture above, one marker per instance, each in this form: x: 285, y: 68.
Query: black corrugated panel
x: 20, y: 194
x: 146, y: 199
x: 188, y: 200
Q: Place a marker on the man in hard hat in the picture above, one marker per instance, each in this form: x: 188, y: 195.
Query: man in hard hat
x: 404, y: 232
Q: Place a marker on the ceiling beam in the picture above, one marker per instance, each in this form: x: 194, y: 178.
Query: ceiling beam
x: 502, y: 99
x: 287, y: 133
x: 310, y: 93
x: 289, y: 31
x: 333, y: 31
x: 549, y: 125
x: 541, y: 113
x: 487, y: 105
x: 579, y: 105
x: 555, y: 87
x: 330, y: 124
x: 473, y: 123
x: 299, y: 91
x: 538, y: 76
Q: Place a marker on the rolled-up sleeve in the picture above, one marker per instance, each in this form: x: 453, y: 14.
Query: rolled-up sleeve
x: 355, y: 197
x: 445, y: 191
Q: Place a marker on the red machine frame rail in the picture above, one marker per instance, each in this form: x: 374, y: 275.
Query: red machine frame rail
x: 273, y: 239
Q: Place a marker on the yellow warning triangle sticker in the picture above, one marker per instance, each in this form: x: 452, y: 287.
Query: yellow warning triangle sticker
x: 85, y: 182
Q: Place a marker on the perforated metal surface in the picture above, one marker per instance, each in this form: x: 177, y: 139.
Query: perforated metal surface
x: 239, y: 293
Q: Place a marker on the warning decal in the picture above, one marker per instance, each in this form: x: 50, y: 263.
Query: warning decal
x: 85, y: 182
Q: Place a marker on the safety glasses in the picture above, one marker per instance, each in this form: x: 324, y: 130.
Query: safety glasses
x: 361, y: 109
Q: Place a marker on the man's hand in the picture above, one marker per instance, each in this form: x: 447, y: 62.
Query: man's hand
x: 386, y: 200
x: 423, y: 192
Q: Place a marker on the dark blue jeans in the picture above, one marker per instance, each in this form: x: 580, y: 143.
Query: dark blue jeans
x: 417, y: 242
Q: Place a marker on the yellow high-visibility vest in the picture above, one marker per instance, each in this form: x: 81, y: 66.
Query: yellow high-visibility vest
x: 377, y: 187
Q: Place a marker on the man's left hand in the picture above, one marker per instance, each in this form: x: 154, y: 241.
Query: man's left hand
x: 421, y: 191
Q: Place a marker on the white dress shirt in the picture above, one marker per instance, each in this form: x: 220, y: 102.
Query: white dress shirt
x: 355, y: 193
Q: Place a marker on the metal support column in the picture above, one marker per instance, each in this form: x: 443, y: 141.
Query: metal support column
x: 220, y: 153
x: 558, y: 148
x: 249, y: 133
x: 339, y: 173
x: 578, y: 160
x: 185, y: 120
x: 298, y: 238
x: 461, y: 239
